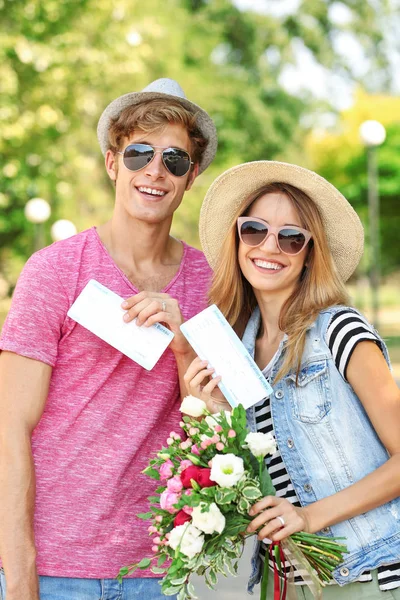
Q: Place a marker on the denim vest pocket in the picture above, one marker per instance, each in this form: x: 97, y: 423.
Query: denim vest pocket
x: 310, y: 398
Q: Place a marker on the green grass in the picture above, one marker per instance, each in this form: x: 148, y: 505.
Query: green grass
x: 393, y: 344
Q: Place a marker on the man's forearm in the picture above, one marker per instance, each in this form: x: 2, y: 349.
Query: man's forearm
x: 17, y: 546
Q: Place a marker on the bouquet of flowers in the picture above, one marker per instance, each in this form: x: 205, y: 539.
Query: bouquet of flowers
x: 210, y: 475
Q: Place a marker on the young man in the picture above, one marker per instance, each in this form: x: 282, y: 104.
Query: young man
x: 79, y: 420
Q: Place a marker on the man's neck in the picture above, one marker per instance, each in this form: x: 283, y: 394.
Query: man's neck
x: 145, y: 252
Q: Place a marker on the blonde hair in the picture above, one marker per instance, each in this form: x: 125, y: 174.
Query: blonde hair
x: 153, y: 115
x: 319, y: 286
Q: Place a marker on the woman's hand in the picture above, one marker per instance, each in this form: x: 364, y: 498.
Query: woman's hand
x: 152, y: 307
x: 266, y: 512
x: 199, y: 383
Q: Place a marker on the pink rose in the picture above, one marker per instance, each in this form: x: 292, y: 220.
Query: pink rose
x: 195, y: 450
x: 167, y: 501
x: 166, y: 469
x: 184, y: 465
x: 175, y: 484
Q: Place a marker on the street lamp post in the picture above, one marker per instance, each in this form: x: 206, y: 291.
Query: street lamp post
x: 373, y: 134
x: 37, y: 211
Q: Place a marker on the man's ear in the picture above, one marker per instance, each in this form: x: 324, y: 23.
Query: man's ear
x: 192, y: 176
x: 111, y: 165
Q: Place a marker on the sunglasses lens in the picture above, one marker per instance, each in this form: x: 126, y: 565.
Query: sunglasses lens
x: 291, y: 241
x: 137, y: 156
x: 253, y: 233
x: 177, y: 161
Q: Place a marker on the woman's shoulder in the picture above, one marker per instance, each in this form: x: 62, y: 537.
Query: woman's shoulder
x: 344, y: 328
x: 337, y: 315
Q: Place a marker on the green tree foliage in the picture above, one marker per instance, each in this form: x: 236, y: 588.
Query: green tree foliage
x: 62, y: 62
x: 341, y: 158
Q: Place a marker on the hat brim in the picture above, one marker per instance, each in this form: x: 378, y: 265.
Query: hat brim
x: 342, y: 225
x: 204, y: 121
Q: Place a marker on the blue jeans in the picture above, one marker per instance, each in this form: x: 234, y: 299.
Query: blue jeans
x: 67, y: 588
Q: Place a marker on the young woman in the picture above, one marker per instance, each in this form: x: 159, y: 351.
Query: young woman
x: 282, y: 241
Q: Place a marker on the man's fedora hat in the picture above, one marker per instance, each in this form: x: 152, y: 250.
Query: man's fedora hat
x: 342, y: 225
x: 166, y: 89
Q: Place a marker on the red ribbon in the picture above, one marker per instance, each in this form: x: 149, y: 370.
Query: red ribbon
x: 279, y: 593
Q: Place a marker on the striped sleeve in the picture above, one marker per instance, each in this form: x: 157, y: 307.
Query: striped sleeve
x: 345, y: 331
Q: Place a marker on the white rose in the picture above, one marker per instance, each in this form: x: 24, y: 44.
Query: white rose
x: 261, y: 444
x: 226, y: 469
x: 192, y: 406
x: 211, y: 521
x: 212, y: 420
x: 190, y: 538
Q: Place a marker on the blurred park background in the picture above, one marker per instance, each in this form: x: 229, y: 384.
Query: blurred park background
x: 291, y: 80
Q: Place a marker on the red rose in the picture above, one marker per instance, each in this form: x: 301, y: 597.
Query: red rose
x: 204, y: 478
x: 188, y: 474
x: 181, y: 518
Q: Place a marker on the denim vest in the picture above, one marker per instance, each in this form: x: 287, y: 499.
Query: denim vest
x: 327, y: 443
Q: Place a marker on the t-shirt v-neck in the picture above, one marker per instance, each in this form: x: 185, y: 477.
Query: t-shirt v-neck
x: 126, y: 279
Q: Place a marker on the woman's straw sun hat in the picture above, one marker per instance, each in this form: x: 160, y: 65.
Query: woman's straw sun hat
x: 343, y: 227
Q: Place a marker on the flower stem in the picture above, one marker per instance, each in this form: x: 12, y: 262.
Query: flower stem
x: 264, y: 580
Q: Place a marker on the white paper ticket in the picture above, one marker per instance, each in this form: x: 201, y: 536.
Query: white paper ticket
x: 214, y: 340
x: 98, y: 309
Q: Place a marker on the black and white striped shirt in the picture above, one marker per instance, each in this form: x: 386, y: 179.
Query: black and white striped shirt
x: 344, y: 332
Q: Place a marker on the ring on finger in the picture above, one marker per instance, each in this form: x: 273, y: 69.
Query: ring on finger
x: 163, y: 306
x: 282, y: 520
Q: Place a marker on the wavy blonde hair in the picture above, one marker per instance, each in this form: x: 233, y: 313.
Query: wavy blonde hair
x: 319, y: 286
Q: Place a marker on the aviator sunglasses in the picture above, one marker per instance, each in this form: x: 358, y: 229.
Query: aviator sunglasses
x: 175, y: 160
x: 290, y: 239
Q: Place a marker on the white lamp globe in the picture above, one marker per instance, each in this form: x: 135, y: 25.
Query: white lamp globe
x: 372, y: 133
x: 37, y: 210
x: 62, y: 229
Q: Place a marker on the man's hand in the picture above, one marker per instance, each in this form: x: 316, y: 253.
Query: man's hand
x: 152, y: 307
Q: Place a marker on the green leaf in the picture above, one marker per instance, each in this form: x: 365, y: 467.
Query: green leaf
x: 182, y: 594
x: 144, y: 563
x: 212, y: 577
x: 179, y: 581
x: 144, y: 516
x: 171, y: 590
x: 267, y: 489
x: 161, y: 559
x: 158, y: 570
x: 153, y: 473
x: 154, y: 499
x: 229, y: 567
x: 122, y: 572
x: 191, y: 591
x: 243, y: 505
x: 224, y: 495
x: 251, y: 493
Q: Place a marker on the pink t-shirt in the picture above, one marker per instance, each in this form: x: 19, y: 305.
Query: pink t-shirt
x: 105, y: 416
